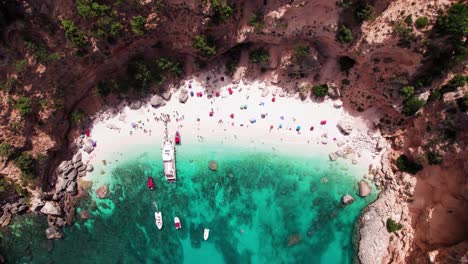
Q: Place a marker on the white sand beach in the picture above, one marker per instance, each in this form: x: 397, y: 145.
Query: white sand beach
x: 269, y: 122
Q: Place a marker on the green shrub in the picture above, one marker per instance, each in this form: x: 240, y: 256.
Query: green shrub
x: 25, y: 162
x: 21, y: 65
x: 405, y: 34
x: 409, y: 20
x: 5, y: 150
x: 24, y: 105
x: 363, y: 12
x: 421, y: 22
x: 169, y: 65
x: 455, y: 21
x: 406, y: 92
x: 433, y: 158
x: 260, y: 55
x: 412, y: 105
x: 233, y: 58
x: 138, y: 24
x: 320, y: 90
x: 256, y: 20
x: 301, y: 53
x: 457, y: 81
x: 77, y: 116
x: 462, y: 103
x: 222, y: 11
x: 435, y: 96
x: 204, y: 45
x: 40, y: 52
x: 344, y: 35
x: 115, y: 29
x: 346, y: 63
x: 139, y: 75
x: 403, y: 163
x: 392, y: 226
x: 74, y: 35
x: 89, y: 8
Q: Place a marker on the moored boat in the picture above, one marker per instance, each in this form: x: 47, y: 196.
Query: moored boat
x: 168, y: 156
x: 158, y: 219
x: 150, y: 183
x: 177, y: 223
x: 177, y: 138
x: 206, y: 234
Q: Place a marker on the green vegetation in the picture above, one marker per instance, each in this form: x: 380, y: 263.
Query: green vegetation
x: 6, y: 149
x: 77, y: 116
x: 455, y: 22
x: 40, y: 52
x: 24, y: 105
x: 457, y: 81
x: 260, y: 55
x: 8, y: 84
x: 363, y: 12
x: 421, y: 22
x: 392, y: 226
x: 25, y: 162
x: 204, y: 45
x: 90, y: 8
x: 435, y: 96
x: 462, y: 103
x: 403, y: 163
x: 405, y: 34
x: 256, y: 20
x: 74, y: 35
x: 138, y: 24
x: 233, y: 58
x: 406, y: 92
x: 346, y: 63
x: 222, y: 11
x: 409, y: 20
x: 301, y: 54
x: 21, y: 65
x: 320, y: 90
x: 433, y: 158
x: 105, y: 27
x: 344, y: 35
x: 140, y: 75
x: 105, y: 87
x: 412, y: 105
x: 168, y: 65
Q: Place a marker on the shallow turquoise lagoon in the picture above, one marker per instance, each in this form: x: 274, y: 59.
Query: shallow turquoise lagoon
x: 260, y: 207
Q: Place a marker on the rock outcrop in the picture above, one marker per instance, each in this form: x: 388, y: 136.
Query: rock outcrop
x: 347, y: 199
x: 51, y: 208
x: 53, y: 233
x: 364, y: 188
x: 157, y: 101
x: 102, y: 191
x: 345, y: 126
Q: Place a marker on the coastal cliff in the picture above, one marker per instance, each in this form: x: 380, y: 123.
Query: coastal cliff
x: 56, y: 75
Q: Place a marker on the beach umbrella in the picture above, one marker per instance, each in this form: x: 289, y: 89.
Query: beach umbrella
x: 231, y: 115
x: 211, y: 113
x: 282, y: 117
x: 241, y: 107
x: 190, y: 86
x: 323, y: 122
x: 281, y: 126
x: 230, y: 90
x: 245, y: 106
x: 271, y: 127
x: 263, y: 115
x: 217, y: 94
x: 94, y: 143
x: 298, y: 128
x: 86, y: 132
x: 253, y: 120
x: 273, y: 99
x: 191, y: 93
x: 311, y: 128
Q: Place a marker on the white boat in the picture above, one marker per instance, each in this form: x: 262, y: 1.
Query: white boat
x: 206, y: 234
x: 158, y: 219
x: 168, y: 157
x: 177, y: 223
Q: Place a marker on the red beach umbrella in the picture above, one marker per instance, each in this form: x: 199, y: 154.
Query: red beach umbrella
x: 273, y: 99
x: 323, y: 122
x: 231, y: 115
x: 230, y: 91
x: 211, y: 113
x: 86, y: 132
x: 217, y: 94
x: 311, y: 128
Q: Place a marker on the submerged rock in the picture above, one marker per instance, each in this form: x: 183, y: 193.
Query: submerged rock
x: 51, y: 208
x: 89, y: 168
x: 364, y: 188
x: 294, y: 239
x: 84, y: 214
x: 102, y: 191
x: 347, y: 199
x: 333, y: 156
x: 53, y: 233
x: 213, y: 165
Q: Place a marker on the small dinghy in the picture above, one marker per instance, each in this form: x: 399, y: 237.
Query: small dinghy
x: 158, y: 219
x: 206, y: 234
x: 177, y: 138
x: 177, y: 223
x: 150, y: 183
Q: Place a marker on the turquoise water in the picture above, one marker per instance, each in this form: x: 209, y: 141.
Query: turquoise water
x: 255, y: 205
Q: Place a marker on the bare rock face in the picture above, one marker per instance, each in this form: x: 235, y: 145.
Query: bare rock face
x: 50, y: 208
x: 347, y: 199
x: 364, y: 188
x: 102, y: 191
x: 157, y: 101
x: 345, y: 126
x: 213, y: 165
x: 53, y: 233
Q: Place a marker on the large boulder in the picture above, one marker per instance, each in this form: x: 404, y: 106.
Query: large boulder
x: 61, y: 184
x: 157, y: 101
x: 345, y: 126
x: 213, y: 165
x: 166, y: 95
x: 135, y: 105
x: 88, y: 148
x: 102, y: 191
x: 333, y: 90
x: 333, y: 156
x: 77, y: 157
x: 53, y: 233
x: 347, y: 199
x: 64, y: 165
x: 338, y: 104
x: 364, y: 188
x: 50, y: 208
x: 183, y: 96
x: 89, y: 168
x: 72, y: 175
x: 71, y: 189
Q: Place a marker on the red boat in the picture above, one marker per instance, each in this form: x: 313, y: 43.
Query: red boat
x: 177, y: 138
x: 150, y: 183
